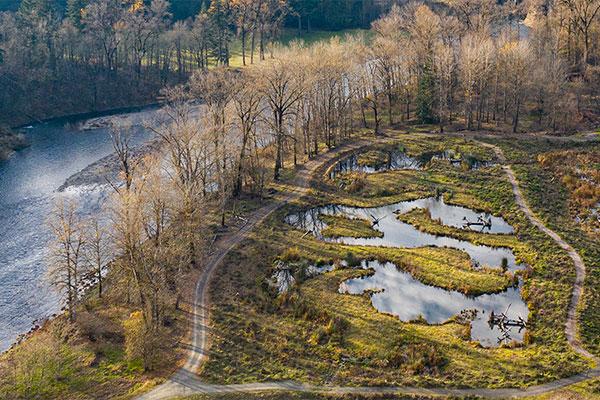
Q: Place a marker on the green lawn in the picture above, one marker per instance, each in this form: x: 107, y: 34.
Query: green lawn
x: 288, y: 36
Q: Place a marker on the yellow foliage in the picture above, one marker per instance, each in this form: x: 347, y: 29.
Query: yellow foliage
x: 136, y: 5
x: 134, y: 336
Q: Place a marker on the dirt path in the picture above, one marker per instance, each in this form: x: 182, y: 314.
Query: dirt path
x: 577, y: 292
x: 199, y: 342
x: 185, y: 382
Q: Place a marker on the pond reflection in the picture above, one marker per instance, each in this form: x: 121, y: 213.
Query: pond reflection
x: 396, y: 160
x: 399, y: 234
x: 396, y: 292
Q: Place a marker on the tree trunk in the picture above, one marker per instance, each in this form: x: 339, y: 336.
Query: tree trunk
x: 252, y: 46
x: 238, y: 182
x: 376, y: 116
x: 244, y: 47
x: 279, y: 144
x: 516, y: 117
x: 586, y: 47
x: 390, y: 97
x: 261, y: 45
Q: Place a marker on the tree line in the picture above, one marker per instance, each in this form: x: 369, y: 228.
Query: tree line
x: 110, y: 53
x: 250, y: 125
x: 309, y: 14
x: 98, y: 54
x: 475, y: 65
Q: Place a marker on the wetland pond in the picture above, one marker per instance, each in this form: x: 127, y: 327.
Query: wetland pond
x: 395, y: 160
x: 399, y: 234
x: 398, y: 293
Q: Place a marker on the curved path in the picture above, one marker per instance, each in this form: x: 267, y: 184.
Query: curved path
x: 185, y: 382
x: 577, y: 292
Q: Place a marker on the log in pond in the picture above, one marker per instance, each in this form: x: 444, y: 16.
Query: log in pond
x: 396, y: 292
x: 399, y: 234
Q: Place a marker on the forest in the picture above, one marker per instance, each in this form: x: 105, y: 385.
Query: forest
x: 318, y: 14
x: 138, y: 47
x: 50, y: 51
x: 251, y: 127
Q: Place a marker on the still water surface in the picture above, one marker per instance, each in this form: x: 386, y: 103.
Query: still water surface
x: 398, y: 160
x: 398, y: 293
x: 399, y: 234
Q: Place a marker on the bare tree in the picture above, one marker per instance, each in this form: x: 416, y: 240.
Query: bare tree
x: 121, y: 137
x: 200, y: 44
x: 445, y: 67
x: 477, y: 16
x: 142, y: 26
x: 476, y: 61
x: 139, y: 218
x: 97, y: 251
x: 516, y: 58
x: 583, y: 13
x: 280, y: 82
x: 190, y: 163
x: 215, y: 88
x: 100, y: 21
x: 66, y: 252
x: 385, y: 54
x: 244, y: 21
x: 371, y: 92
x: 247, y: 109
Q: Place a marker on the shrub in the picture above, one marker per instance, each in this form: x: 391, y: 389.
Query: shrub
x: 135, y: 332
x: 357, y: 183
x: 352, y: 260
x: 41, y: 367
x: 419, y: 358
x: 142, y: 346
x: 291, y: 254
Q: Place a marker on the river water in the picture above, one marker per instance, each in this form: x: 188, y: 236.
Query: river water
x: 28, y: 189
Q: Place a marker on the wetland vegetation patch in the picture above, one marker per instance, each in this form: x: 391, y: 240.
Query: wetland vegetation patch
x: 314, y: 329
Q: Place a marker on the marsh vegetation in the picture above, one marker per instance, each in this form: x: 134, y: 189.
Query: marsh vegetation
x: 333, y: 199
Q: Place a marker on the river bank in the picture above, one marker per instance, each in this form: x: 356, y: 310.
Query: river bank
x: 13, y: 139
x: 58, y: 151
x: 10, y: 142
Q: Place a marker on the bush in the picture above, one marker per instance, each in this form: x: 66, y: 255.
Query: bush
x: 357, y: 183
x: 41, y: 367
x: 420, y: 358
x: 135, y: 332
x: 352, y: 260
x: 142, y: 346
x: 291, y: 254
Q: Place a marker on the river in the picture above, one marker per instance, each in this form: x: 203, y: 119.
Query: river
x: 28, y: 189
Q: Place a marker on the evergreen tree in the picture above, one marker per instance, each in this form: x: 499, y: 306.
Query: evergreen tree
x: 304, y: 11
x: 33, y: 9
x: 38, y: 22
x: 426, y: 96
x: 221, y: 16
x: 74, y: 8
x: 185, y: 9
